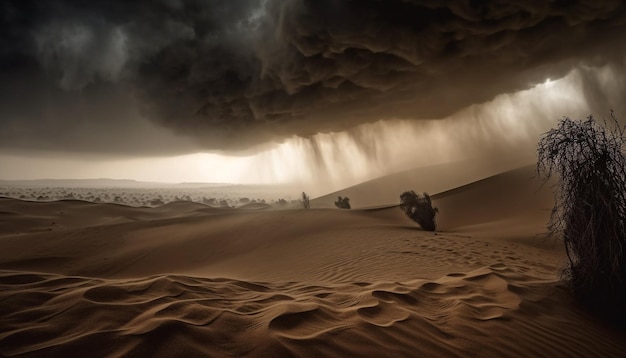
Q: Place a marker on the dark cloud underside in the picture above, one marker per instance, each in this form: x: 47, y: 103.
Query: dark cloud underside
x: 232, y: 74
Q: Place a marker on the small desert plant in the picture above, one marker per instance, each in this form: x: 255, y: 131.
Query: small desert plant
x: 209, y: 201
x: 342, y: 203
x: 153, y: 202
x: 590, y: 208
x: 305, y: 201
x: 420, y: 209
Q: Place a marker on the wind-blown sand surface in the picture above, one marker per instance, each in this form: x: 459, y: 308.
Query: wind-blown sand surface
x: 185, y: 279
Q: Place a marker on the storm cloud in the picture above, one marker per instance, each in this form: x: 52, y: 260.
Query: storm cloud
x: 238, y: 73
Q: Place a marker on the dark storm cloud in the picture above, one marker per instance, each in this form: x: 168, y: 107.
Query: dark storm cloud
x: 231, y: 74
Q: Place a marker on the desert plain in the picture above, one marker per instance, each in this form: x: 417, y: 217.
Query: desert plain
x: 185, y: 279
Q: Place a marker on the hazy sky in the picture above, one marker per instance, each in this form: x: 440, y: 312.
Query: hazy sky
x: 335, y: 91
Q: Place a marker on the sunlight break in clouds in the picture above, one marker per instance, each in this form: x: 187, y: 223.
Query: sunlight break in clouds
x: 508, y: 125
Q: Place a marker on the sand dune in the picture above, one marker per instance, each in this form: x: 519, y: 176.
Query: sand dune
x: 431, y: 179
x: 184, y: 279
x: 493, y: 311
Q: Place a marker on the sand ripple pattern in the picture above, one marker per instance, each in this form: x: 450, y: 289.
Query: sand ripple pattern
x: 479, y: 313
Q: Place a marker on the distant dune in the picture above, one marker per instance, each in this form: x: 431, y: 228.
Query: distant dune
x: 516, y: 195
x: 120, y: 183
x: 185, y: 279
x: 431, y: 179
x: 83, y: 183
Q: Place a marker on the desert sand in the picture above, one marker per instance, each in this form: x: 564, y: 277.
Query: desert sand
x: 184, y: 279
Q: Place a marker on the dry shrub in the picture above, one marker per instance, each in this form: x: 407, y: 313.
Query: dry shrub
x: 420, y: 209
x: 305, y: 201
x: 343, y: 203
x: 590, y: 208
